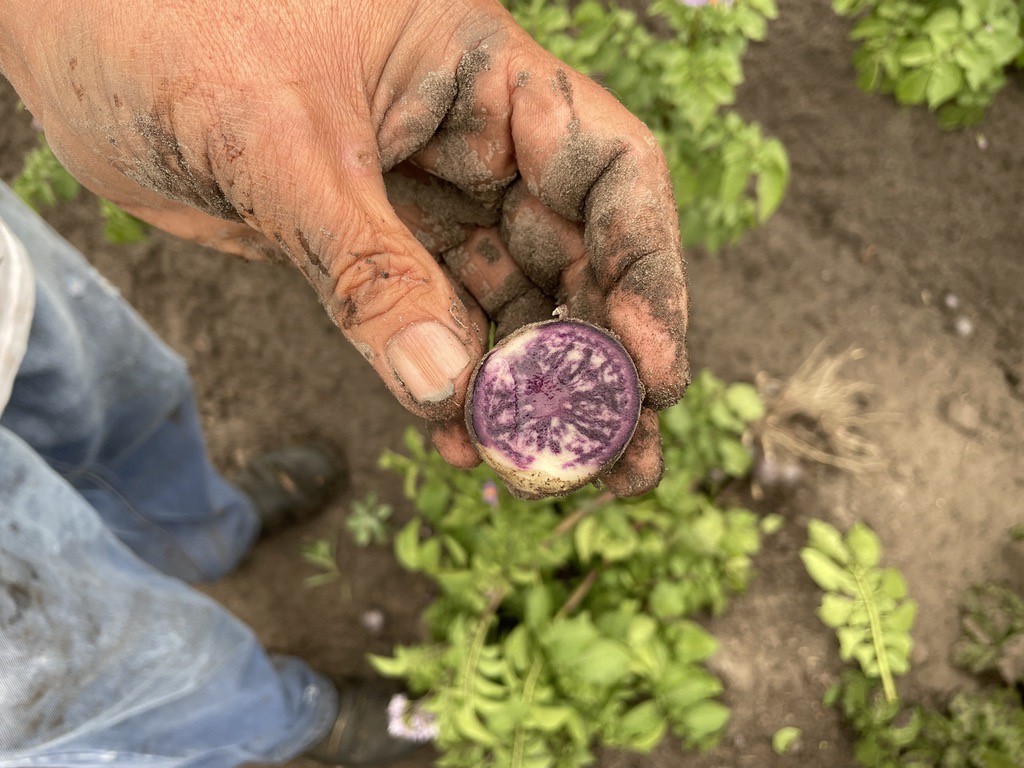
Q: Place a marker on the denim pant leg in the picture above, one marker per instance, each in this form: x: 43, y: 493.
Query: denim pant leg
x: 110, y: 407
x: 104, y: 661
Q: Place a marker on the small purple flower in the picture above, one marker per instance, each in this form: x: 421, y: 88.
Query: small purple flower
x: 490, y: 493
x: 407, y: 720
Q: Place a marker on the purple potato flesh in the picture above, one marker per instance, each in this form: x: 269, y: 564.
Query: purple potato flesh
x: 553, y: 406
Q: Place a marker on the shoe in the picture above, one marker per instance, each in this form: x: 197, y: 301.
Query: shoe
x: 361, y: 735
x: 292, y: 485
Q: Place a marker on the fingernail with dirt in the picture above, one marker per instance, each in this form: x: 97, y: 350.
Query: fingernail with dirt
x: 427, y: 357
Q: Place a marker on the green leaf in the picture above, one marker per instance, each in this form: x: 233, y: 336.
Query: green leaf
x: 407, y: 545
x: 682, y: 687
x: 429, y: 557
x: 902, y: 619
x: 389, y: 667
x: 433, y: 498
x: 916, y: 52
x: 736, y: 459
x: 642, y: 727
x: 827, y: 539
x: 120, y: 227
x: 771, y: 189
x: 604, y: 663
x: 549, y: 719
x: 744, y: 401
x: 835, y: 610
x: 941, y: 22
x: 705, y: 719
x: 320, y: 579
x: 826, y: 573
x: 946, y: 81
x: 723, y: 417
x: 911, y: 87
x: 852, y: 638
x: 893, y: 584
x: 668, y: 599
x: 43, y: 181
x: 905, y: 735
x: 693, y: 643
x: 469, y: 725
x: 517, y: 649
x: 414, y: 443
x: 585, y: 538
x: 642, y: 629
x: 539, y: 608
x: 785, y: 739
x: 564, y: 638
x: 863, y: 545
x: 734, y: 179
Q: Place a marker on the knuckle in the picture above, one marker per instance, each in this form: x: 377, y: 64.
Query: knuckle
x: 370, y: 286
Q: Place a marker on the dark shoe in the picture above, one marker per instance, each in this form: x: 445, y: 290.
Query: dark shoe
x: 360, y: 735
x: 292, y: 485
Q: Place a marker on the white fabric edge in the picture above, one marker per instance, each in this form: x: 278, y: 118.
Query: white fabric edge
x: 17, y: 305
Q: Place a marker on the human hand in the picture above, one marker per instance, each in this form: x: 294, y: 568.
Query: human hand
x: 284, y: 130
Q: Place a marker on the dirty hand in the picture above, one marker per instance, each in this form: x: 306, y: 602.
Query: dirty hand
x: 426, y: 165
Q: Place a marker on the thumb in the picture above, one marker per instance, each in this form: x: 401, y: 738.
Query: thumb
x: 388, y: 295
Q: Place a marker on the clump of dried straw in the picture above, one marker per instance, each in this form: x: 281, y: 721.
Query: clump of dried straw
x: 817, y: 415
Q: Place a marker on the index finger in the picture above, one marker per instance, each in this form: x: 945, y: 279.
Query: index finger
x: 589, y: 160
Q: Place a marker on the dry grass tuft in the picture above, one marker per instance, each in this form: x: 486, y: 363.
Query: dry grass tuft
x: 817, y: 415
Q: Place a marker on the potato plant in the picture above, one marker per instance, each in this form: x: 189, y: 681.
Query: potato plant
x: 949, y: 55
x: 867, y: 605
x: 561, y: 625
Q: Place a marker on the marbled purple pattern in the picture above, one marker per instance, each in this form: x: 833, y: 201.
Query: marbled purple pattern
x: 571, y: 389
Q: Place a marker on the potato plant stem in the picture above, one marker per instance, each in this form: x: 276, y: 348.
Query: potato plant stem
x: 528, y: 688
x: 578, y: 594
x: 570, y: 605
x: 573, y: 520
x: 477, y: 646
x: 877, y: 639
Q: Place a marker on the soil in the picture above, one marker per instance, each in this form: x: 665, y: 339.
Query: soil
x: 885, y: 217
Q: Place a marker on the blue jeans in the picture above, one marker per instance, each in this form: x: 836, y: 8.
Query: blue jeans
x: 108, y: 506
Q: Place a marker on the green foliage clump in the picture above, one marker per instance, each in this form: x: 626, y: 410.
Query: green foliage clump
x: 983, y: 729
x: 993, y: 632
x: 119, y: 226
x: 322, y: 554
x: 786, y: 739
x: 976, y: 730
x: 949, y: 54
x: 45, y: 183
x: 367, y: 521
x: 728, y: 176
x: 562, y: 624
x: 866, y: 605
